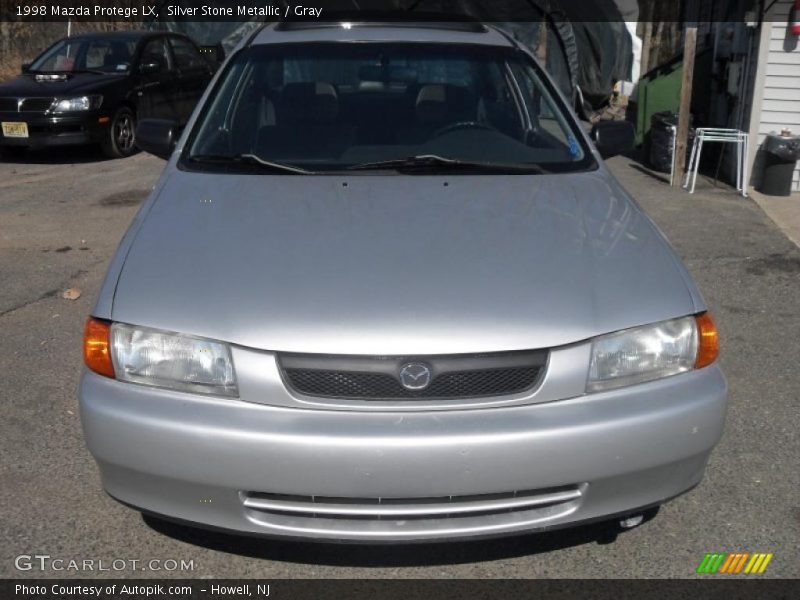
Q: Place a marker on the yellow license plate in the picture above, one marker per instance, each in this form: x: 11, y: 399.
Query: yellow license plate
x: 15, y: 129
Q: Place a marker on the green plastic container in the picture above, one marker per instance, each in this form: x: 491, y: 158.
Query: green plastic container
x: 660, y: 90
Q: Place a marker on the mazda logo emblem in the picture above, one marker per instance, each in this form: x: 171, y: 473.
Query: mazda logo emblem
x: 415, y: 376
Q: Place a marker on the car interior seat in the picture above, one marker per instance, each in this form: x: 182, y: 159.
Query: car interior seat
x: 440, y: 105
x: 307, y: 124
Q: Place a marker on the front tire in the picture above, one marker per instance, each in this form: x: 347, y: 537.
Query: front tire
x: 120, y: 139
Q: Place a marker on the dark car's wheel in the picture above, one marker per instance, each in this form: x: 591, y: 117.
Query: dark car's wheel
x: 121, y: 137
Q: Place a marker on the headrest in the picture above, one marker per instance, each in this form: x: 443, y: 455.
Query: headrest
x: 431, y: 104
x: 437, y: 103
x: 309, y: 101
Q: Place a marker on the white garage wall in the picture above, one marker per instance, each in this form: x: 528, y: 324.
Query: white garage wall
x: 776, y: 94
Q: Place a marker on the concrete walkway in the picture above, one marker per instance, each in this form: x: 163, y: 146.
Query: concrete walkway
x: 784, y: 210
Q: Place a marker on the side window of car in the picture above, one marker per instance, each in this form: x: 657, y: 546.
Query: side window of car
x: 186, y: 55
x: 156, y: 52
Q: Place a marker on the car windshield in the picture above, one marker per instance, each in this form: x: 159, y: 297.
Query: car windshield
x: 336, y: 106
x: 86, y: 54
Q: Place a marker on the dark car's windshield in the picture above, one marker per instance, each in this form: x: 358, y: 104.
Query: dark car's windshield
x: 86, y: 54
x: 332, y: 106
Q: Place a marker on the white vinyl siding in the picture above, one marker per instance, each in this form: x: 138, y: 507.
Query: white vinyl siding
x: 780, y: 92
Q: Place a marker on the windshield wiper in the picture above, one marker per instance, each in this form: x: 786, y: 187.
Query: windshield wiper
x: 434, y: 161
x: 249, y: 159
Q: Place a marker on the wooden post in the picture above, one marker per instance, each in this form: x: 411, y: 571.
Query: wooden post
x: 684, y: 110
x: 647, y: 42
x: 646, y: 17
x: 541, y: 49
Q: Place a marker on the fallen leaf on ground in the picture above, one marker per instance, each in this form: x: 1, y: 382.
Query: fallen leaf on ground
x: 71, y: 294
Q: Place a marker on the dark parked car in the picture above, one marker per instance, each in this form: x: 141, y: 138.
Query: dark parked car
x: 93, y: 88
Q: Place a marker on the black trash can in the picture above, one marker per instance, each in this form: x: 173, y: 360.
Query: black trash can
x: 662, y: 140
x: 780, y: 156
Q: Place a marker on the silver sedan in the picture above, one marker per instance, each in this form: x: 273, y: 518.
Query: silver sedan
x: 388, y: 291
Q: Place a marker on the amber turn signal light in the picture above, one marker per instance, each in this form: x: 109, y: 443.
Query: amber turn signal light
x: 97, y: 347
x: 708, y: 346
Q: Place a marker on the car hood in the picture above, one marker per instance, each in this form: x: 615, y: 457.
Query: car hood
x: 75, y: 83
x: 392, y: 264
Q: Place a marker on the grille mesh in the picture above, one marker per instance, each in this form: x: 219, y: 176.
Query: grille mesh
x: 28, y: 104
x: 36, y: 104
x: 378, y: 386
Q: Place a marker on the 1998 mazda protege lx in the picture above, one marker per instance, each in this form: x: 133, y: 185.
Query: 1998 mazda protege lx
x: 387, y: 290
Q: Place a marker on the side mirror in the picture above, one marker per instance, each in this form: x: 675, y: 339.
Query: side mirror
x: 613, y: 137
x: 150, y: 68
x: 157, y: 136
x: 25, y: 67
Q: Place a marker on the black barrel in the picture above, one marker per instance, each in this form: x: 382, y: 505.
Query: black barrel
x: 780, y: 156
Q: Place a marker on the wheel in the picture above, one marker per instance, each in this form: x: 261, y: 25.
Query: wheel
x: 121, y: 137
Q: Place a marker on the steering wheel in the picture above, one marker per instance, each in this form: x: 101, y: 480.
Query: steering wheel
x: 461, y: 125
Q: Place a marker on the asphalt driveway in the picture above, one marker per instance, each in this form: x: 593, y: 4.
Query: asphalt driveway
x: 61, y: 217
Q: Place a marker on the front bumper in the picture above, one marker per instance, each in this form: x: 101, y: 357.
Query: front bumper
x: 267, y: 470
x: 49, y: 131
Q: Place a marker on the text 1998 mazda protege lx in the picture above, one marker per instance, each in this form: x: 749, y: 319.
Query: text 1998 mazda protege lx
x: 386, y: 290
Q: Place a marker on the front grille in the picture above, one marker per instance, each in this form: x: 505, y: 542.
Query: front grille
x: 409, y: 508
x: 27, y: 104
x: 410, y: 518
x: 378, y: 378
x: 36, y: 104
x: 466, y: 384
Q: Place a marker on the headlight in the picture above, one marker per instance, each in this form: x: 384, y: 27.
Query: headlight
x: 61, y: 105
x: 651, y: 352
x: 170, y: 360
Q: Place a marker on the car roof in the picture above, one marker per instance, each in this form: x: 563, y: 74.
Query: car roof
x: 353, y: 31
